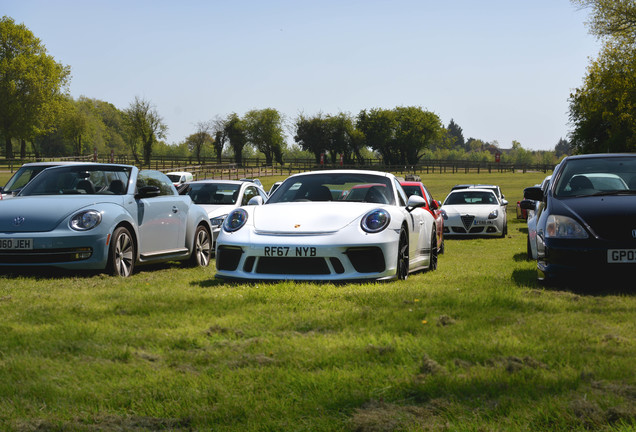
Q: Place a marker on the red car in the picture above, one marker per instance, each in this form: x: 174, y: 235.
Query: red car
x: 417, y: 188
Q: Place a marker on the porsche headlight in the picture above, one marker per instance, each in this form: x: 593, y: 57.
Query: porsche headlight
x: 217, y: 221
x: 375, y: 221
x: 493, y: 214
x: 564, y: 227
x: 235, y: 220
x: 86, y: 220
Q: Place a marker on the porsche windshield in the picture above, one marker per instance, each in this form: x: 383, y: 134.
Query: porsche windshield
x: 80, y: 179
x: 344, y: 187
x: 597, y: 176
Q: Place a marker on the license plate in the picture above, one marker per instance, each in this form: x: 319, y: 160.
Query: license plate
x: 16, y: 244
x: 289, y: 251
x: 621, y: 256
x: 482, y: 222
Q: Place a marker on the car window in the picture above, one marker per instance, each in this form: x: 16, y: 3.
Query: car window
x: 22, y: 177
x: 250, y: 192
x: 158, y: 179
x: 214, y: 193
x: 402, y: 196
x: 80, y: 179
x: 469, y: 197
x: 340, y: 187
x: 412, y: 190
x: 589, y: 176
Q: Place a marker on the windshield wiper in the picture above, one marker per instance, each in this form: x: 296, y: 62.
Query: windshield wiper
x: 615, y: 192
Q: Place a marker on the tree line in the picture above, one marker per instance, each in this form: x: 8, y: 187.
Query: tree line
x: 38, y: 116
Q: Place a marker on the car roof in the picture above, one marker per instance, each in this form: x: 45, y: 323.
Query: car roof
x: 54, y: 163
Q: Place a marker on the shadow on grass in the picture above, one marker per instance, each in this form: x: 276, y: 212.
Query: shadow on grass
x: 58, y: 273
x: 590, y: 285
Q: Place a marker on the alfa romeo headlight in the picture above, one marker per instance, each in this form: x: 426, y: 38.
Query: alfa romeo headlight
x: 564, y: 227
x: 217, y: 221
x: 86, y: 220
x: 235, y: 220
x: 375, y: 221
x: 493, y: 214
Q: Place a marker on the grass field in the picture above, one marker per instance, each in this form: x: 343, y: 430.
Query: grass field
x: 477, y: 345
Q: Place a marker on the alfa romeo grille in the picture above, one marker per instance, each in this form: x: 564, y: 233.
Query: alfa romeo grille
x: 467, y: 220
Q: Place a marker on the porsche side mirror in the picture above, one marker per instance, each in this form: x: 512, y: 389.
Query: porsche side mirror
x: 257, y: 200
x: 414, y: 202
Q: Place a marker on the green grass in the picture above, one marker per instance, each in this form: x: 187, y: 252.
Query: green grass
x: 477, y: 345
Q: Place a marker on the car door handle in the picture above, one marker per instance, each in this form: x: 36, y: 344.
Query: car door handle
x: 174, y: 209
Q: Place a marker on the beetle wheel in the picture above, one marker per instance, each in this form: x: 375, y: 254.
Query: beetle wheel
x: 122, y: 253
x: 201, y: 247
x: 403, y: 256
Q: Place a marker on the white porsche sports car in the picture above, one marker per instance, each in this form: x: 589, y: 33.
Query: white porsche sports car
x: 329, y: 225
x: 474, y: 212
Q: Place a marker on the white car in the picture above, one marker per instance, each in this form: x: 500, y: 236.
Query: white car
x: 329, y: 225
x: 180, y: 177
x: 474, y: 212
x: 219, y: 197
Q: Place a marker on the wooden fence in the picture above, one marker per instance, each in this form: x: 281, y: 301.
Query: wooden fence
x: 254, y: 167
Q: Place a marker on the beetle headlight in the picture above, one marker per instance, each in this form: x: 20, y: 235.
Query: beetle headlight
x: 564, y: 227
x: 235, y: 220
x: 493, y: 214
x: 86, y: 220
x: 375, y: 221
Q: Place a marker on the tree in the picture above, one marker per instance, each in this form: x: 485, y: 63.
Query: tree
x: 603, y: 110
x: 198, y: 140
x: 562, y: 148
x: 264, y: 130
x: 416, y: 129
x: 455, y: 134
x: 311, y: 134
x: 31, y: 81
x: 612, y: 18
x: 234, y: 130
x: 378, y: 126
x: 145, y: 126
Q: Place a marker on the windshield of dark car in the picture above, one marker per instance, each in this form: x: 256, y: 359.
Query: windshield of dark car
x: 80, y: 179
x: 594, y: 176
x: 341, y: 187
x: 214, y: 193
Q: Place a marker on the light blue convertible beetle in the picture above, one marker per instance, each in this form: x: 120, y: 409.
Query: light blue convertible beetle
x: 103, y: 217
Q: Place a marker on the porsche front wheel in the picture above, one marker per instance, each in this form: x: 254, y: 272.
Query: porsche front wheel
x: 403, y: 256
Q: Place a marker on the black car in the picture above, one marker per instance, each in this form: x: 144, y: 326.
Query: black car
x: 588, y: 225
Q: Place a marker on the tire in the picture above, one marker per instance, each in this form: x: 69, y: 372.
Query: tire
x: 529, y: 249
x: 121, y: 254
x: 432, y: 265
x: 442, y: 247
x: 201, y: 247
x: 402, y: 269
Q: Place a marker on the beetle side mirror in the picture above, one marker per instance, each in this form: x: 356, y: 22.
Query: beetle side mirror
x: 148, y: 192
x: 434, y: 205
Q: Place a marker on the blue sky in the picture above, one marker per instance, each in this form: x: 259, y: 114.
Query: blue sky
x: 502, y: 69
